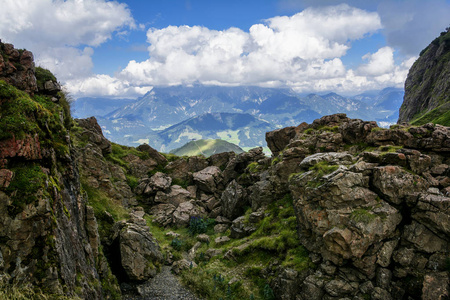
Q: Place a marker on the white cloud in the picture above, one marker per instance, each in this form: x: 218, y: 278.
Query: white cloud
x: 379, y: 63
x: 104, y: 85
x: 284, y: 51
x: 54, y: 29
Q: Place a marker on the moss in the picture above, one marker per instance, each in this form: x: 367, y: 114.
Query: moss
x: 253, y: 167
x: 308, y: 131
x: 323, y: 168
x: 42, y: 76
x: 132, y: 181
x: 24, y: 189
x: 362, y: 215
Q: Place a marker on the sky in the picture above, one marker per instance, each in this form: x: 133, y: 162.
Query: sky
x: 121, y: 49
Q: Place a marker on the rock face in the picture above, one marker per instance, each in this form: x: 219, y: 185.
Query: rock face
x: 427, y: 86
x: 379, y: 212
x: 135, y: 253
x: 17, y: 68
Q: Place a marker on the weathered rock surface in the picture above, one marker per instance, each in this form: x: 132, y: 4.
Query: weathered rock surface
x: 137, y: 251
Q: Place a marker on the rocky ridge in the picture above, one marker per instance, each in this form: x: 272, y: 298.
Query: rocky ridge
x: 427, y: 87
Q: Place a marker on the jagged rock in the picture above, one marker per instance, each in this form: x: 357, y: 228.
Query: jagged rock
x: 385, y: 253
x: 380, y: 294
x: 182, y: 169
x: 221, y: 228
x: 340, y: 287
x: 210, y: 253
x: 332, y: 158
x: 434, y: 212
x: 395, y: 184
x: 175, y: 196
x: 185, y: 211
x: 155, y: 155
x: 240, y: 229
x: 221, y: 240
x: 239, y: 163
x: 221, y: 159
x: 162, y: 214
x: 424, y: 239
x: 278, y: 139
x: 139, y: 168
x: 17, y: 68
x: 158, y: 182
x: 93, y: 133
x: 436, y: 286
x: 355, y: 131
x: 183, y: 264
x: 209, y: 179
x: 233, y: 200
x: 312, y: 288
x: 138, y: 251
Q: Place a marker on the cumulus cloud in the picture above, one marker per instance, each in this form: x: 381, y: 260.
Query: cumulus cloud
x: 283, y: 51
x: 54, y: 29
x: 104, y: 85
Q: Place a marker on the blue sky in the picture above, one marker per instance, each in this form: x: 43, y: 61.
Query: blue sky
x: 124, y: 48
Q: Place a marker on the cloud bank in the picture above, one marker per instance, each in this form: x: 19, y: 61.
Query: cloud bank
x: 56, y: 30
x: 303, y: 51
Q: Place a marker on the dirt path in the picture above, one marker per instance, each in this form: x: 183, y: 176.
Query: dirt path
x: 164, y: 286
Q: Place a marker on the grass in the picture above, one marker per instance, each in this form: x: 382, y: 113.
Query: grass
x: 439, y: 115
x: 362, y: 215
x: 101, y: 204
x: 323, y: 168
x: 26, y: 292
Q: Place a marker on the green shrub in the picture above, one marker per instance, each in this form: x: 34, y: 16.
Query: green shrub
x: 176, y: 244
x: 197, y: 225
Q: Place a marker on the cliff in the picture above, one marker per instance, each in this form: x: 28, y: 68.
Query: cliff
x: 427, y: 87
x: 47, y: 232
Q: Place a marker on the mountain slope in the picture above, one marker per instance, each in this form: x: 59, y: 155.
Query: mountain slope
x: 427, y: 86
x: 241, y: 129
x: 206, y: 148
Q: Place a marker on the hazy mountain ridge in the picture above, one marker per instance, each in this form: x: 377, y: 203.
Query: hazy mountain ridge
x: 147, y: 119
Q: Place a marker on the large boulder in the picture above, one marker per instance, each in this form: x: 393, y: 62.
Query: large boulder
x: 209, y: 179
x: 93, y: 133
x: 137, y: 252
x: 175, y: 196
x: 233, y: 200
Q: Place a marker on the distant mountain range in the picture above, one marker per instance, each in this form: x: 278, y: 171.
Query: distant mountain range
x: 168, y: 117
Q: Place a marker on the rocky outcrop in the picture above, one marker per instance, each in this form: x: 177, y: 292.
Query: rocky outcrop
x: 135, y: 254
x: 17, y: 68
x: 427, y: 86
x: 378, y: 212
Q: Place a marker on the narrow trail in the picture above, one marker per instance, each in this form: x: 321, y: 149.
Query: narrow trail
x: 164, y: 286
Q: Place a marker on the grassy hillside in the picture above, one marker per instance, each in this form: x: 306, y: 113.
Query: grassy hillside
x: 206, y: 148
x: 439, y: 115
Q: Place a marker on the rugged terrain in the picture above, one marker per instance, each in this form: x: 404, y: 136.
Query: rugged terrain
x: 427, y: 88
x: 241, y: 114
x: 342, y: 210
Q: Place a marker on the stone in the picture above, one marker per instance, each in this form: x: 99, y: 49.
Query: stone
x: 173, y: 234
x: 424, y: 239
x: 380, y: 294
x: 436, y: 286
x: 339, y: 288
x: 221, y: 240
x: 162, y: 214
x: 385, y: 253
x: 239, y: 229
x: 138, y: 250
x: 185, y: 211
x: 208, y: 179
x: 28, y: 148
x: 175, y: 196
x: 204, y: 238
x: 395, y: 184
x: 221, y: 228
x: 155, y: 155
x: 93, y: 132
x: 278, y: 139
x: 332, y: 158
x: 384, y: 277
x: 233, y: 200
x: 158, y: 182
x: 211, y: 252
x: 183, y: 264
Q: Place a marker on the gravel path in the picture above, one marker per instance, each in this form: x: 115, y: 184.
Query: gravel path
x: 164, y: 286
